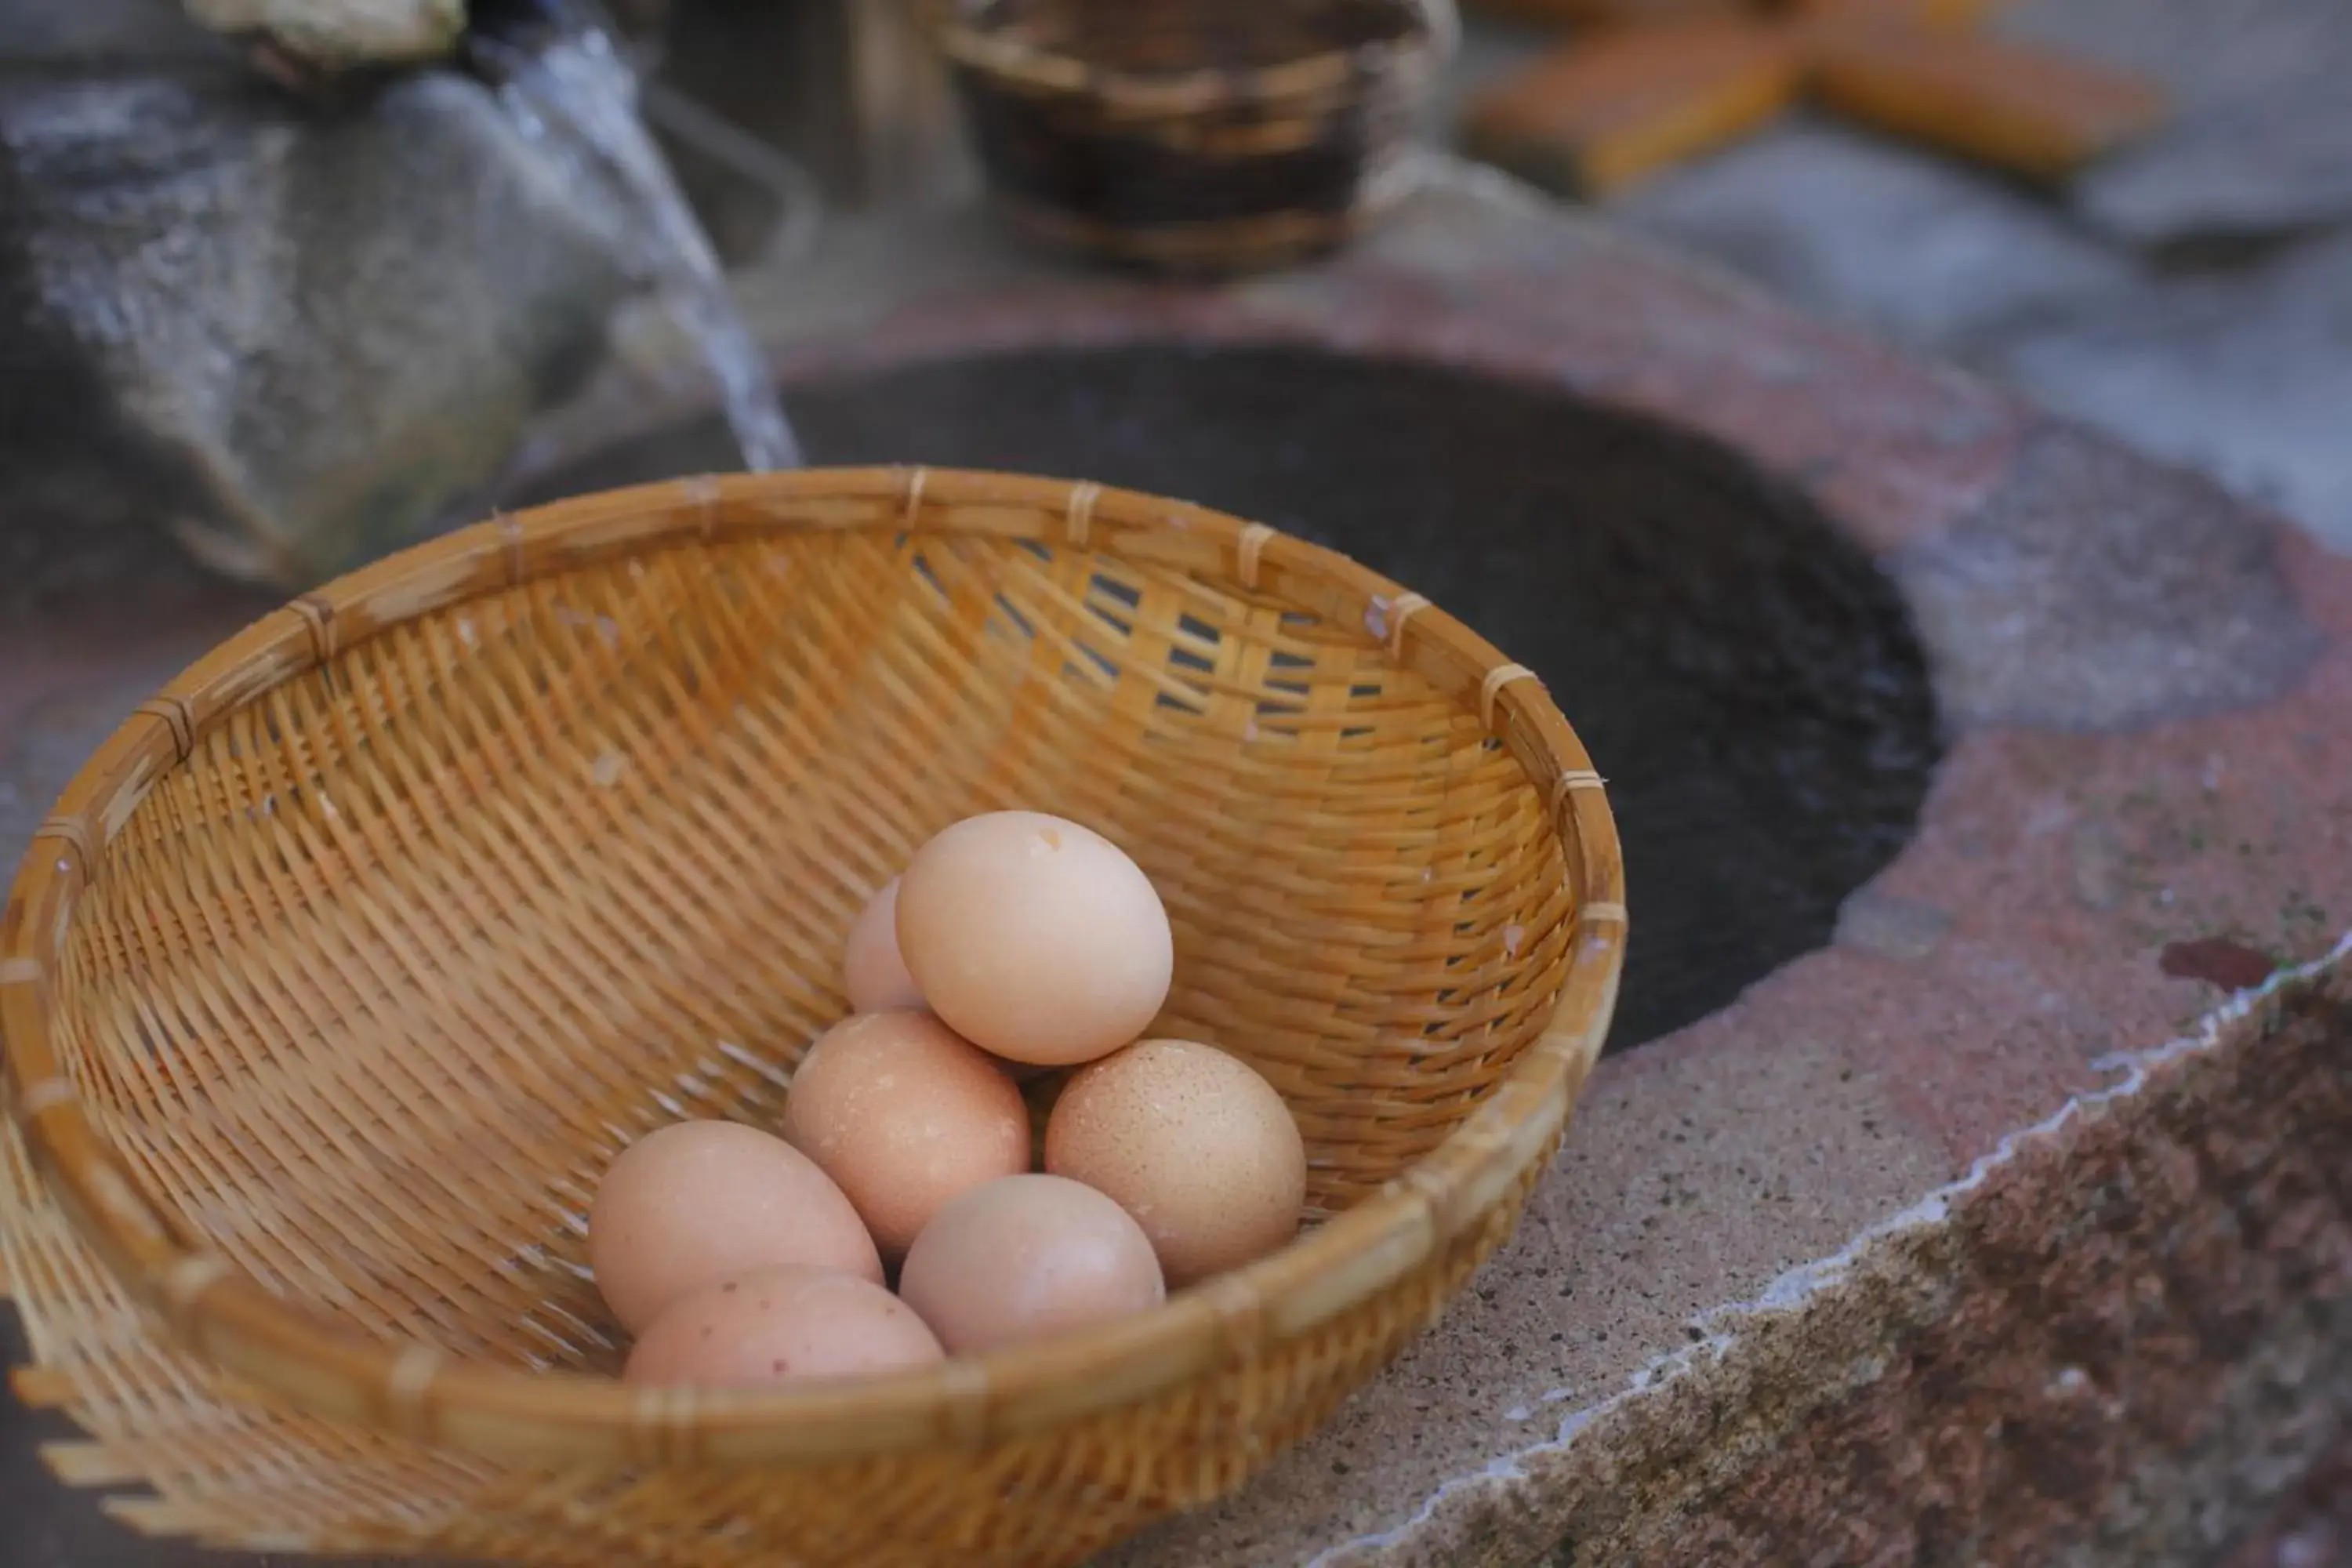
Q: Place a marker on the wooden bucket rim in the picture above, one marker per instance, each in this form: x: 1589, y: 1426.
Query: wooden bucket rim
x: 218, y: 1311
x: 968, y: 42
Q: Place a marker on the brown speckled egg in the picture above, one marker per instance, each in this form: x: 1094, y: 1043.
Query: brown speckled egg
x: 696, y: 1200
x: 1025, y: 1259
x: 905, y: 1116
x: 873, y: 975
x: 780, y: 1325
x: 1035, y: 938
x: 1193, y: 1143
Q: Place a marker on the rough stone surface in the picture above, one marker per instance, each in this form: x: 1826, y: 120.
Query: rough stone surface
x: 195, y: 269
x: 2313, y: 1529
x: 2084, y: 1331
x: 2188, y: 294
x: 2260, y: 118
x: 1925, y: 251
x: 2245, y: 375
x: 1799, y: 1256
x: 2119, y: 598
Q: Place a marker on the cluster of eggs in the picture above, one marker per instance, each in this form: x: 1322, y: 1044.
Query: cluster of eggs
x: 1014, y: 944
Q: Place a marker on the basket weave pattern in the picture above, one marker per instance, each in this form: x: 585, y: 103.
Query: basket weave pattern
x: 348, y: 965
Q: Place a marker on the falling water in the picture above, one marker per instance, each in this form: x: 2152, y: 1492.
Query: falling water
x: 581, y: 92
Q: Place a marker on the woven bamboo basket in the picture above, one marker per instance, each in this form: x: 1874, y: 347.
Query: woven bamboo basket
x: 353, y: 958
x: 1194, y: 135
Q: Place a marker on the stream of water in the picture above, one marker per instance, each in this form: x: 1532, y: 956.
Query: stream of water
x: 582, y: 90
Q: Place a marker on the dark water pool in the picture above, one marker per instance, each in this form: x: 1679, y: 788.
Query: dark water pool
x: 1748, y: 681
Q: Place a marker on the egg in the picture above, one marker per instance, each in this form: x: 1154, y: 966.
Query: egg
x: 780, y: 1325
x: 1035, y: 938
x: 1193, y: 1143
x: 1028, y: 1257
x: 905, y: 1116
x: 698, y: 1201
x: 874, y: 977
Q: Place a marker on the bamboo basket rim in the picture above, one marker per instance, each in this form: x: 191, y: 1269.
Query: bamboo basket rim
x: 967, y: 41
x: 215, y: 1309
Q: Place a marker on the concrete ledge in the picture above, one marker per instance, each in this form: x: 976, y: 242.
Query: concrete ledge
x: 2117, y: 1339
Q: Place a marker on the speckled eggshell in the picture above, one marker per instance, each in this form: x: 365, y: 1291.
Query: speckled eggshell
x: 1193, y: 1143
x: 874, y: 977
x: 1026, y: 1258
x: 904, y: 1115
x: 1035, y: 938
x: 695, y: 1202
x: 780, y: 1325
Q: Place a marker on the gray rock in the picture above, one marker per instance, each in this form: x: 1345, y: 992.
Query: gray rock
x: 2095, y: 592
x: 2247, y: 376
x: 1922, y: 250
x: 289, y: 333
x: 98, y: 33
x: 2272, y: 167
x: 2260, y: 142
x: 2243, y: 372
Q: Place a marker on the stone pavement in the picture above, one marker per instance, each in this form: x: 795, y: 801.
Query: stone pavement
x: 2194, y: 295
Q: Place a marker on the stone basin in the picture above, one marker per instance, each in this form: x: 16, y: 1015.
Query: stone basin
x: 1751, y: 678
x: 1972, y: 1195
